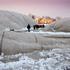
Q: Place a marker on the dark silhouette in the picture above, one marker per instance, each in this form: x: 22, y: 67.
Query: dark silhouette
x: 38, y: 26
x: 12, y: 29
x: 28, y: 27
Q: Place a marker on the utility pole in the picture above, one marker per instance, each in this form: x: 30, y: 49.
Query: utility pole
x: 1, y: 44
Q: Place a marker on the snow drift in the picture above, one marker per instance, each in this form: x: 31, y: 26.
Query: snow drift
x: 54, y: 59
x: 14, y: 20
x: 21, y: 42
x: 14, y: 42
x: 62, y: 25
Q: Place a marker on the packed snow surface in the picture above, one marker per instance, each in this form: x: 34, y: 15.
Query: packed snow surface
x: 53, y: 34
x: 52, y: 59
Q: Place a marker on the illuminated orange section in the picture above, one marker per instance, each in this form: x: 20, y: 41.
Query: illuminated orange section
x: 44, y: 20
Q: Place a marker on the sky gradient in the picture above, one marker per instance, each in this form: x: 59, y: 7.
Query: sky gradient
x: 52, y: 8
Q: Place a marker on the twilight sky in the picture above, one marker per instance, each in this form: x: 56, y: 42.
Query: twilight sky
x: 52, y: 8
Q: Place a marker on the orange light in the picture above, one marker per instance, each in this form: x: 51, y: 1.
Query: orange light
x: 44, y: 20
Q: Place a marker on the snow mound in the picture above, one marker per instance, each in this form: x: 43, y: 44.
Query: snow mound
x: 62, y: 25
x: 54, y: 59
x: 14, y: 20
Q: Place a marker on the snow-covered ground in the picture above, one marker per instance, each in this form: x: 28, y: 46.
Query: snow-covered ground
x: 41, y: 32
x: 53, y: 59
x: 47, y: 33
x: 52, y: 34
